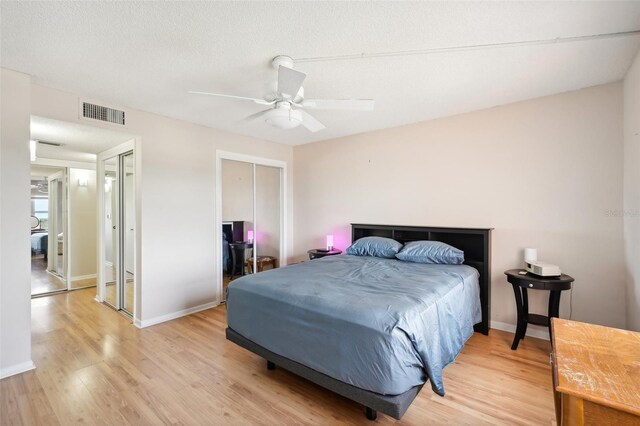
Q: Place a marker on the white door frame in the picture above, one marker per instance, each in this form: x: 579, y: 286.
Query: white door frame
x: 131, y: 145
x: 256, y: 161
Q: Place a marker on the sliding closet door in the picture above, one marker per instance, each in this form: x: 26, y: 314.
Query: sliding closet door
x: 237, y: 196
x: 252, y: 212
x: 110, y: 232
x: 56, y: 263
x: 237, y: 219
x: 268, y: 214
x: 128, y: 215
x: 119, y: 231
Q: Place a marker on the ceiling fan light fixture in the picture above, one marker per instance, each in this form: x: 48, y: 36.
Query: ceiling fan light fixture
x: 282, y: 118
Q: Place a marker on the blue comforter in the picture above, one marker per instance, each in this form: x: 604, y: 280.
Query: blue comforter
x: 39, y: 242
x: 378, y: 324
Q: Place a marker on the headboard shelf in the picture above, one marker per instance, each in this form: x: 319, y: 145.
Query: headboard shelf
x: 475, y: 242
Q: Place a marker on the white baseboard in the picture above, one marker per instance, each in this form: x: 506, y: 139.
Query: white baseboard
x: 83, y: 277
x: 17, y: 369
x: 532, y: 330
x: 174, y: 315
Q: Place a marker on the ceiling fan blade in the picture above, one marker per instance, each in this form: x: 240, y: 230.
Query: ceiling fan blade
x: 344, y: 104
x: 256, y: 100
x: 254, y: 116
x: 310, y: 122
x: 289, y: 81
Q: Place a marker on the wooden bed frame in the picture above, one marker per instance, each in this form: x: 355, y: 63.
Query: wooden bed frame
x: 476, y: 244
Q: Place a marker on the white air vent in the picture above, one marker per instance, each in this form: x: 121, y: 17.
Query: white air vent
x: 102, y: 113
x: 49, y: 143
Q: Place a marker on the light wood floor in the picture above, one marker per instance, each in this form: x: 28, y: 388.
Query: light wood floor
x: 94, y: 367
x: 41, y: 280
x: 111, y: 295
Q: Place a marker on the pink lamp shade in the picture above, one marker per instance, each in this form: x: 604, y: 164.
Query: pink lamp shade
x: 250, y: 236
x: 329, y: 242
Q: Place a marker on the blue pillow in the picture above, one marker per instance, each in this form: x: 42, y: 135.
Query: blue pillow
x: 431, y: 252
x: 375, y: 246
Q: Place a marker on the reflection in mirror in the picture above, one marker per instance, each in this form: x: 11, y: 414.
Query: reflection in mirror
x: 119, y: 231
x: 129, y: 225
x: 237, y: 217
x: 110, y: 231
x: 57, y: 220
x: 42, y: 281
x: 268, y: 213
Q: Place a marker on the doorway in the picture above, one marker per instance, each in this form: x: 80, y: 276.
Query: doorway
x: 48, y: 220
x: 64, y: 203
x: 118, y: 229
x: 250, y: 216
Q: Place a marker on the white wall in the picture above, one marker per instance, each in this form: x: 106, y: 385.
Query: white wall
x: 176, y: 190
x: 544, y: 173
x: 631, y: 212
x: 83, y: 224
x: 15, y: 279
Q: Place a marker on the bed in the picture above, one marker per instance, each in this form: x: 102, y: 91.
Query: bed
x: 374, y: 330
x: 39, y: 243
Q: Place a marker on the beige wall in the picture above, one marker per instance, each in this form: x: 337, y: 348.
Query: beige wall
x: 15, y: 282
x: 268, y: 211
x: 83, y: 224
x: 631, y: 212
x: 237, y: 191
x: 544, y: 173
x: 176, y: 190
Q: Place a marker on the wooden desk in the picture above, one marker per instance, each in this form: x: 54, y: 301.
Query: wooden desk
x: 596, y: 374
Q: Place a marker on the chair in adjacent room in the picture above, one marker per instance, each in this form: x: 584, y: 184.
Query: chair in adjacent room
x: 261, y: 262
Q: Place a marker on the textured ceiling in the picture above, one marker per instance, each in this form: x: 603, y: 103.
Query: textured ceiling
x: 147, y: 55
x: 79, y: 143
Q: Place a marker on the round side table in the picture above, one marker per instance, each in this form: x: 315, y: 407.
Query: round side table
x: 521, y: 284
x: 317, y: 254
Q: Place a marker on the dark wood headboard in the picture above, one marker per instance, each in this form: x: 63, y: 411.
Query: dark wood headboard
x: 475, y: 242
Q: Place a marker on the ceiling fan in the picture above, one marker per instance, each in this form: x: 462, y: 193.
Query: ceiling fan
x: 41, y: 186
x: 287, y: 104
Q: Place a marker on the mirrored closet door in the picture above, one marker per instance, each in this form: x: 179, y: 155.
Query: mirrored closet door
x: 237, y: 217
x: 268, y: 216
x: 57, y: 235
x: 119, y: 231
x: 252, y: 217
x: 128, y: 230
x: 49, y: 217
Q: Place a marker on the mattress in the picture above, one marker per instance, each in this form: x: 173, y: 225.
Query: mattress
x: 382, y: 325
